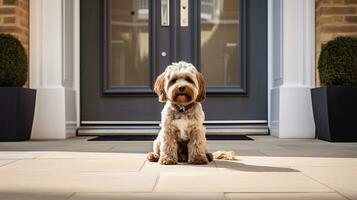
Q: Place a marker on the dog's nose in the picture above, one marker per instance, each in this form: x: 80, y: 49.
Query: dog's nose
x: 182, y: 88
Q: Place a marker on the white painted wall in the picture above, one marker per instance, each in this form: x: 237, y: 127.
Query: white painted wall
x: 291, y: 67
x: 54, y: 67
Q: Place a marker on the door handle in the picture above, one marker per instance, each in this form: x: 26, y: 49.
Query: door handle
x: 165, y: 12
x: 184, y: 13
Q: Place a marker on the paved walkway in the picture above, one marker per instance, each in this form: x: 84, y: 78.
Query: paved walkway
x: 267, y: 168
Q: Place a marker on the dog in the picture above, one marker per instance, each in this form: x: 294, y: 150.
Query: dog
x: 182, y: 136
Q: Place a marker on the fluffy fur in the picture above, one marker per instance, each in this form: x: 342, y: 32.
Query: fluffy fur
x: 182, y: 135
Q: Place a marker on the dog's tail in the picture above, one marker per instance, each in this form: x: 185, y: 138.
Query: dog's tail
x: 224, y: 155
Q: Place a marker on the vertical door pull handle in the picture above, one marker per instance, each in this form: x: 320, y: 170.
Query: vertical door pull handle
x: 165, y: 12
x: 184, y: 13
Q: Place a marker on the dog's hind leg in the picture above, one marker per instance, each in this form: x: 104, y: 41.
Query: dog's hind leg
x: 209, y: 156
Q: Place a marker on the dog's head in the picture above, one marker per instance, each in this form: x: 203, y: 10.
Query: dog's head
x: 181, y: 84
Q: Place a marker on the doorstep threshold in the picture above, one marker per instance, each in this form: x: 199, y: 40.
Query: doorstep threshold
x: 154, y: 130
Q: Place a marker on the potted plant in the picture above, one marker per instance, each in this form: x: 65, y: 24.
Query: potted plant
x: 335, y: 103
x: 17, y: 104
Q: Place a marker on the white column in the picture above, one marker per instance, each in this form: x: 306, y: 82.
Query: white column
x: 52, y: 68
x: 291, y: 67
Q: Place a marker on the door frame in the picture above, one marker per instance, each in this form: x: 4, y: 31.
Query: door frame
x: 46, y: 15
x: 196, y: 61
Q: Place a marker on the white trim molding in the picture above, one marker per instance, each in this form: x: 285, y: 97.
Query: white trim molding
x: 53, y: 67
x: 158, y: 122
x: 291, y: 67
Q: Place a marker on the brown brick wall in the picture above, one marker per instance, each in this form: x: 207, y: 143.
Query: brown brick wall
x: 14, y: 19
x: 334, y: 18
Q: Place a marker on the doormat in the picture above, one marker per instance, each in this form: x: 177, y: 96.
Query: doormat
x: 153, y: 137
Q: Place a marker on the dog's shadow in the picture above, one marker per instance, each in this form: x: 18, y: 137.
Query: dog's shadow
x: 233, y: 165
x: 237, y: 166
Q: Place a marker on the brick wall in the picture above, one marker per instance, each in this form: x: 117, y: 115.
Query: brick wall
x: 14, y: 19
x: 334, y: 18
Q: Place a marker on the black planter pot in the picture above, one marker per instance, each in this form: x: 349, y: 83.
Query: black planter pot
x: 17, y: 106
x: 335, y: 113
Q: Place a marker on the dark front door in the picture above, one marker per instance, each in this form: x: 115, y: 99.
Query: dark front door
x: 125, y: 44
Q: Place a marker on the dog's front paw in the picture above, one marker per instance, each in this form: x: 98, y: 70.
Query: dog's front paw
x: 167, y: 161
x: 153, y: 157
x: 198, y: 160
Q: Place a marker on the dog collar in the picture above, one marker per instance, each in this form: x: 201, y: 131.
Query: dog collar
x: 182, y: 109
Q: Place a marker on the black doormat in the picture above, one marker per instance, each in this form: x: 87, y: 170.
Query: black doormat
x: 152, y: 137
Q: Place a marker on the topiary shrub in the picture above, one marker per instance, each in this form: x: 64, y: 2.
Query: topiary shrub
x: 338, y: 62
x: 13, y: 62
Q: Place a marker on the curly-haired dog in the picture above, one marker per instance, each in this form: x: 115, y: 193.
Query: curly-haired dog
x: 182, y: 135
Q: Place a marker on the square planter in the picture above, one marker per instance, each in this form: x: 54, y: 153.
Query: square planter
x: 335, y: 113
x: 17, y: 106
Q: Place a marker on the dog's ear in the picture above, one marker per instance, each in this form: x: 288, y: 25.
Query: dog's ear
x: 159, y: 87
x: 202, y: 87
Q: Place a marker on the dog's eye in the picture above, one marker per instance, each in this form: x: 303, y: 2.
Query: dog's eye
x: 189, y: 80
